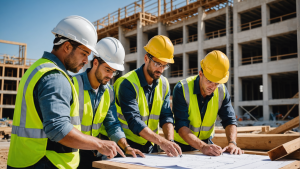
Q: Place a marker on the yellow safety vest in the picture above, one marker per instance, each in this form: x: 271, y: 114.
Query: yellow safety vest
x: 202, y: 129
x: 91, y: 125
x: 28, y: 139
x: 151, y: 119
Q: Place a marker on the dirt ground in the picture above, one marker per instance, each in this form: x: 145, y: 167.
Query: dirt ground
x: 4, y: 146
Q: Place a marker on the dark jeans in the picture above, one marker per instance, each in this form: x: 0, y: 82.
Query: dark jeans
x: 44, y: 163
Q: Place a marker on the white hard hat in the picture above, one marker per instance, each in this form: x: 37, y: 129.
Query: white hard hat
x: 112, y: 52
x: 78, y: 29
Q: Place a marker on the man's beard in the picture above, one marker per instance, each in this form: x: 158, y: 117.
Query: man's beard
x: 71, y: 65
x: 152, y: 74
x: 99, y: 77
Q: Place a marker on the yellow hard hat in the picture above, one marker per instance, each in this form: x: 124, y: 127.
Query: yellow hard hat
x: 215, y: 67
x: 161, y: 47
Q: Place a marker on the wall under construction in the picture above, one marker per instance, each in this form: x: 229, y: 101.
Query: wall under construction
x: 12, y: 68
x: 261, y: 39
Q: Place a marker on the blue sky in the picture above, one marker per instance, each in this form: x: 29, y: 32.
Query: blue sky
x: 31, y: 21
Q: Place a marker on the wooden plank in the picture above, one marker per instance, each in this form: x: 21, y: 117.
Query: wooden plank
x: 256, y: 152
x: 294, y: 165
x: 286, y: 126
x: 284, y: 149
x: 295, y: 155
x: 244, y: 129
x: 256, y: 141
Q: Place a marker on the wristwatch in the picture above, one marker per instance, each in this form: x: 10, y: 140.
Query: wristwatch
x: 233, y: 142
x: 172, y: 140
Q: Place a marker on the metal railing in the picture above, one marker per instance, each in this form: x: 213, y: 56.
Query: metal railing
x: 14, y: 60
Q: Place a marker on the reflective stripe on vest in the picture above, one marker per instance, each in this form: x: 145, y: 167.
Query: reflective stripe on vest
x: 203, y: 129
x: 95, y: 124
x: 28, y: 140
x: 151, y: 119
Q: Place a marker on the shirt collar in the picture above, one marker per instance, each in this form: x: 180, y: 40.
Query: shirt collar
x: 139, y: 71
x: 56, y: 61
x: 197, y: 88
x: 86, y: 83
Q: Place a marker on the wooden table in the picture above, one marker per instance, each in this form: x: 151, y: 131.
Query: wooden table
x: 116, y: 165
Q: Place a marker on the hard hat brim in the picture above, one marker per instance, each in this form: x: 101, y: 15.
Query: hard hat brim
x: 165, y: 60
x: 116, y: 66
x: 215, y: 79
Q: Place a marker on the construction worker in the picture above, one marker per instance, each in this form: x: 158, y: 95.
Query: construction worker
x: 142, y: 100
x: 198, y: 100
x: 97, y: 108
x: 46, y: 131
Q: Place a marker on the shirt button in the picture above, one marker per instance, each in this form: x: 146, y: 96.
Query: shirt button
x: 202, y: 102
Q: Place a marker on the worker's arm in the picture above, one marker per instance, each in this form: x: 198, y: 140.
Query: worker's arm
x: 231, y: 133
x: 171, y: 148
x: 182, y: 122
x: 52, y: 97
x: 130, y: 110
x: 76, y: 139
x: 115, y: 131
x: 207, y: 149
x: 129, y: 150
x: 227, y: 115
x: 166, y: 119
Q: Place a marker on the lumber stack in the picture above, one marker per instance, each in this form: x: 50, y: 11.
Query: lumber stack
x: 263, y: 140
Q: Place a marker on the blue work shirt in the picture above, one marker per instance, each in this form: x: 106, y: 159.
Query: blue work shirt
x: 180, y: 108
x: 53, y: 98
x: 111, y: 121
x: 130, y: 108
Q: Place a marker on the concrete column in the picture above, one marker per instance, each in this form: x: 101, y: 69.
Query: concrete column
x: 267, y: 83
x: 298, y: 44
x: 124, y: 41
x: 185, y: 36
x: 228, y: 46
x: 236, y: 55
x: 126, y: 68
x: 163, y: 31
x: 185, y: 63
x: 267, y: 94
x: 142, y: 39
x: 201, y: 35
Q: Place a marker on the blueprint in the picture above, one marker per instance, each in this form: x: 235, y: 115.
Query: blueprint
x: 187, y: 161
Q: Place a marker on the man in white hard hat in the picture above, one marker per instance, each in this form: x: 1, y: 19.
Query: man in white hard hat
x: 46, y: 131
x: 97, y: 108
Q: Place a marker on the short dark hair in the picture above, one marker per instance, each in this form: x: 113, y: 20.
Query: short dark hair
x: 57, y: 39
x: 99, y: 60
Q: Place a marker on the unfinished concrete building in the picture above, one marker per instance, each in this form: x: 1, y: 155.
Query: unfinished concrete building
x: 260, y: 37
x: 12, y: 68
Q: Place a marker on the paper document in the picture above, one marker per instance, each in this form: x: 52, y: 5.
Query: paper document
x: 225, y: 161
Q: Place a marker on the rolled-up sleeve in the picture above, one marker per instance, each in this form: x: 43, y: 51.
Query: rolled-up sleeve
x: 180, y: 108
x: 226, y: 112
x: 130, y: 108
x: 54, y: 96
x: 112, y: 124
x: 166, y: 115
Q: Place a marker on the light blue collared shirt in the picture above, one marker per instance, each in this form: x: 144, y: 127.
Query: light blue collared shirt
x: 111, y: 122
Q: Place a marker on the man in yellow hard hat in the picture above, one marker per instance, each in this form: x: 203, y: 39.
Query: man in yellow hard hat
x: 142, y: 100
x: 198, y: 100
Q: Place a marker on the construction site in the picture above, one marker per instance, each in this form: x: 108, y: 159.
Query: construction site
x: 261, y: 38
